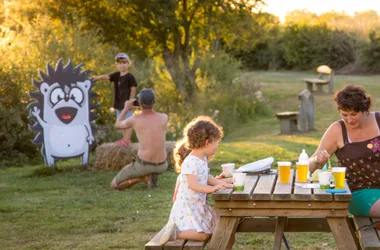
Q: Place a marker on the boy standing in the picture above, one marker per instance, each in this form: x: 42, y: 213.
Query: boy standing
x: 124, y: 89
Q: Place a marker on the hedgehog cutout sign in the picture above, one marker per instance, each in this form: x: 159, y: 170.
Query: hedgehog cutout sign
x: 63, y: 113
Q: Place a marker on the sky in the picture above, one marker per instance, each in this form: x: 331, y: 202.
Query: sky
x: 281, y: 7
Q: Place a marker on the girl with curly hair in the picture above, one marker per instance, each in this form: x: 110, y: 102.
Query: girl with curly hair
x: 191, y: 217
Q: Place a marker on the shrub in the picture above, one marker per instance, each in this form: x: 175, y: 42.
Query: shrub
x: 371, y: 53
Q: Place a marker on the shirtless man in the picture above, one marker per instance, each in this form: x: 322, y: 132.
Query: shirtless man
x: 150, y: 127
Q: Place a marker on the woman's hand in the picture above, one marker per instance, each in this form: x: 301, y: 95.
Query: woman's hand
x: 321, y: 157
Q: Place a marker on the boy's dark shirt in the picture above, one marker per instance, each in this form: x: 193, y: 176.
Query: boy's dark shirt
x: 122, y: 88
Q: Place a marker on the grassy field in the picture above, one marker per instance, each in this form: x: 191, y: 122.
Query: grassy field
x: 71, y: 208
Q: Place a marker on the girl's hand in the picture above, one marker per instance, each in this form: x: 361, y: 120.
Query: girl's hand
x: 218, y: 187
x: 219, y: 177
x: 227, y: 185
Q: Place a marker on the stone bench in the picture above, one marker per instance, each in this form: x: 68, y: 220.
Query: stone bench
x: 288, y: 122
x: 323, y: 71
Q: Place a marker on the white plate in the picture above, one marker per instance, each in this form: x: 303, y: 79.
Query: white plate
x: 256, y: 166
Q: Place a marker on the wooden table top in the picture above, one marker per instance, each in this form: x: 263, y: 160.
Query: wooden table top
x: 266, y: 187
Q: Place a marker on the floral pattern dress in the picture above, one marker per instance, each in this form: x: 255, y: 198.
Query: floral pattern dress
x: 190, y: 209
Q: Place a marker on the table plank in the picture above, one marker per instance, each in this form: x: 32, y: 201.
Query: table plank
x: 302, y: 194
x: 174, y: 245
x: 223, y: 194
x: 321, y: 195
x: 282, y: 205
x: 239, y: 212
x: 268, y: 224
x: 345, y: 196
x: 264, y: 187
x: 283, y: 191
x: 249, y: 185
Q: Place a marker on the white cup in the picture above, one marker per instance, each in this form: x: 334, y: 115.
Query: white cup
x: 239, y: 181
x: 228, y: 169
x: 324, y: 179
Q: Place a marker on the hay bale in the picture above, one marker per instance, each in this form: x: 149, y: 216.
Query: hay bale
x: 112, y: 157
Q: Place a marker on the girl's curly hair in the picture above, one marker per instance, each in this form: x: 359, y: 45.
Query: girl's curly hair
x: 200, y: 130
x: 195, y: 135
x: 180, y: 152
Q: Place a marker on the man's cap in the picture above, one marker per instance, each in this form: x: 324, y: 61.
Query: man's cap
x: 121, y: 56
x: 146, y: 97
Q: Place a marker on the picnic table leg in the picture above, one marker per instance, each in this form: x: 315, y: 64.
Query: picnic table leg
x: 224, y: 231
x: 342, y: 233
x: 279, y: 232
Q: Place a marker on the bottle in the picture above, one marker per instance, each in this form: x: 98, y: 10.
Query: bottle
x: 304, y: 160
x: 303, y: 157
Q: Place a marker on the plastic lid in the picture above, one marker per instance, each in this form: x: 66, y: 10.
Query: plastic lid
x: 303, y: 157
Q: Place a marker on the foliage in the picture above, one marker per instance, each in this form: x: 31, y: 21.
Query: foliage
x: 309, y: 46
x: 371, y: 53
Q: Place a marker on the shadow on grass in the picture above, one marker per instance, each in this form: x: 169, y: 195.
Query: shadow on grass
x: 44, y: 171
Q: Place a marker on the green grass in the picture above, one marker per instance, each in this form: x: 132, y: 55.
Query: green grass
x: 74, y: 208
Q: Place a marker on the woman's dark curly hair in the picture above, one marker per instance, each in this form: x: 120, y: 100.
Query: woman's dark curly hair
x: 200, y: 130
x: 352, y: 98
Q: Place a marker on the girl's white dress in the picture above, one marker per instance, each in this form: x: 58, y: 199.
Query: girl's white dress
x: 190, y: 209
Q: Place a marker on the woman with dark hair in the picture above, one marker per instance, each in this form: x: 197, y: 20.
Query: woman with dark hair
x: 355, y: 140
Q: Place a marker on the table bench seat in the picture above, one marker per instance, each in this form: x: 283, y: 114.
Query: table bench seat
x: 154, y: 243
x: 369, y: 237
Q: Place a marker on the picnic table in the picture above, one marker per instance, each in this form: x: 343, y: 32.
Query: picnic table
x: 266, y: 205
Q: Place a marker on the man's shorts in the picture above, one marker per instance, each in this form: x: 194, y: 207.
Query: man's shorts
x: 140, y: 168
x: 363, y: 200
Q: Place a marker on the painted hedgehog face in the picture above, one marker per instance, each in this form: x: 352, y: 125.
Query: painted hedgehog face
x: 66, y: 102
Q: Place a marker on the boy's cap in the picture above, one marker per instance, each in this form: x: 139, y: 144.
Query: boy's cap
x: 121, y: 56
x: 146, y: 96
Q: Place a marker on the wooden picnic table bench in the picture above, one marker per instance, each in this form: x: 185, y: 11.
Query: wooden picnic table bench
x: 369, y: 236
x: 180, y: 244
x: 266, y: 205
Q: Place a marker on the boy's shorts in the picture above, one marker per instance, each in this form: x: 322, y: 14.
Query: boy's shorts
x: 118, y: 112
x: 363, y: 200
x: 139, y: 168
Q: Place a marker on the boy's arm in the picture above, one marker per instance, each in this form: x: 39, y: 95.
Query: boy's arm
x: 101, y: 77
x: 121, y: 122
x: 133, y: 92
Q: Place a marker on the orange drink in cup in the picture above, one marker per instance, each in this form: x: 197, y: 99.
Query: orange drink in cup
x: 284, y: 171
x: 339, y: 177
x: 302, y: 171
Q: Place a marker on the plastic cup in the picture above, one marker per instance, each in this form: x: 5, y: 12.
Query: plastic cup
x: 324, y: 179
x: 302, y: 171
x: 228, y: 169
x: 339, y: 177
x: 239, y: 181
x: 284, y: 171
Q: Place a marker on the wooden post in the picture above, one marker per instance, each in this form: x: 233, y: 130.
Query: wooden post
x: 306, y: 114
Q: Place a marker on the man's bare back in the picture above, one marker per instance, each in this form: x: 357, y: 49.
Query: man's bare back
x: 150, y: 129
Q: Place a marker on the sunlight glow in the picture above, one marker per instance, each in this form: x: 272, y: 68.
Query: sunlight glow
x: 281, y: 7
